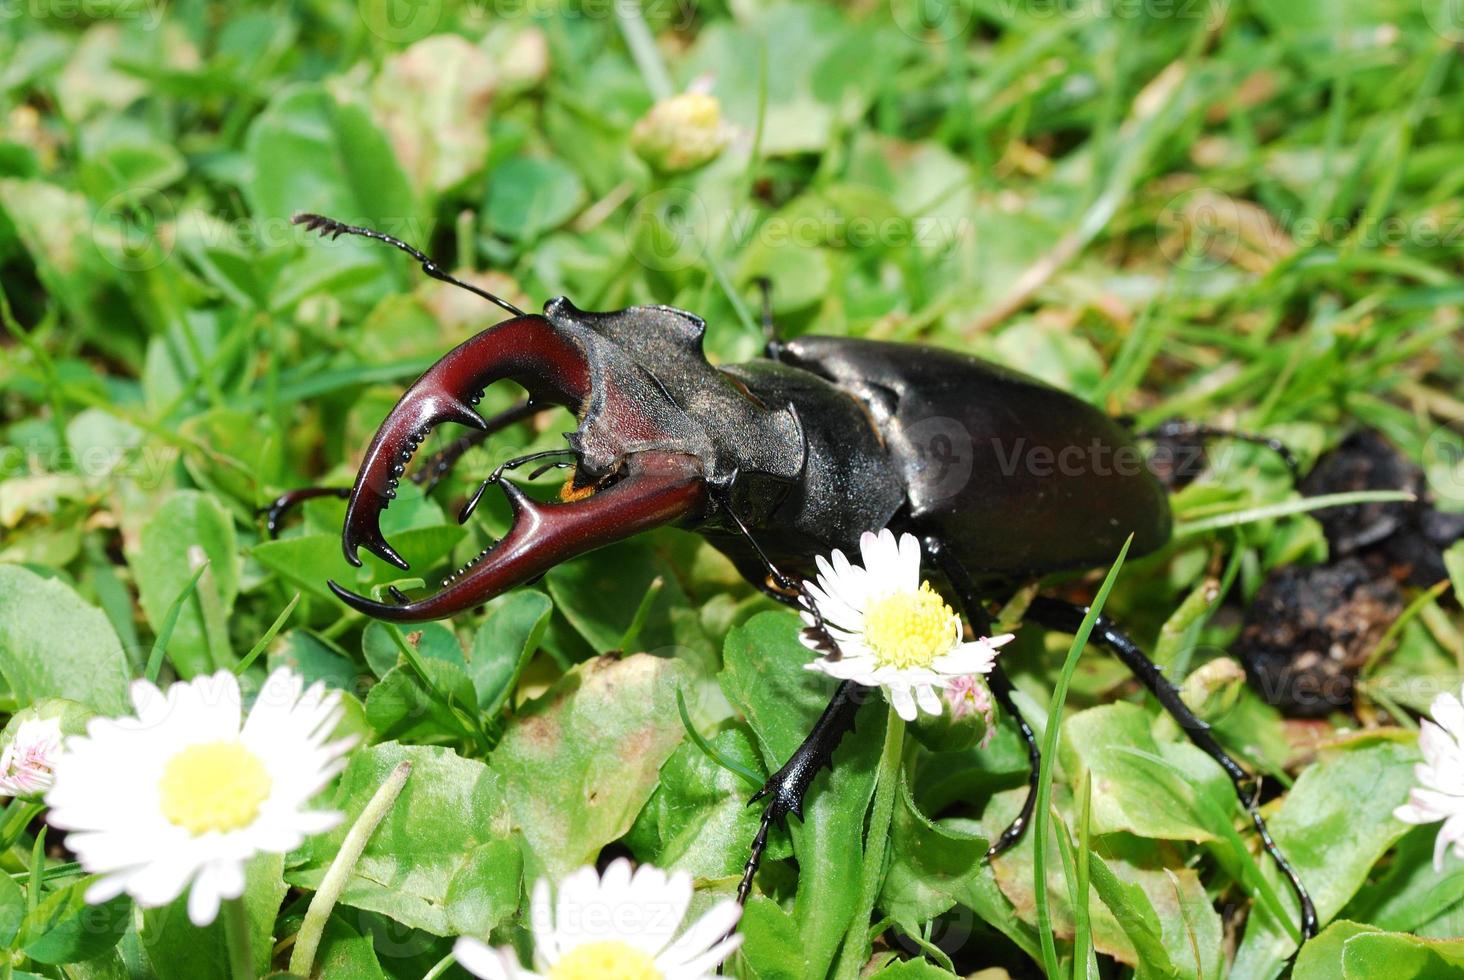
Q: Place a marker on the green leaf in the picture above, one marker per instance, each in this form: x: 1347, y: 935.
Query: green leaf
x: 930, y: 865
x: 528, y: 196
x: 444, y: 859
x: 1321, y: 957
x: 1410, y: 896
x: 600, y: 594
x: 1354, y: 951
x: 162, y: 565
x: 346, y: 954
x: 309, y: 152
x: 504, y: 645
x: 310, y: 657
x: 771, y: 948
x: 179, y: 950
x: 579, y: 763
x: 698, y: 819
x: 64, y: 928
x: 766, y: 679
x: 12, y: 909
x: 914, y: 970
x: 1333, y: 826
x: 308, y: 561
x: 52, y: 644
x: 1402, y: 957
x: 1124, y: 795
x: 402, y: 707
x: 433, y: 641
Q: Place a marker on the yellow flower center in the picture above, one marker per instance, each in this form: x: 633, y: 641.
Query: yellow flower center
x: 910, y: 629
x: 610, y: 959
x: 214, y: 786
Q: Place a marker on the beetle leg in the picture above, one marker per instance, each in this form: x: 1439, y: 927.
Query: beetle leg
x: 1067, y: 617
x: 1001, y: 687
x: 1185, y: 429
x: 433, y: 470
x: 279, y: 508
x: 772, y: 342
x: 786, y: 788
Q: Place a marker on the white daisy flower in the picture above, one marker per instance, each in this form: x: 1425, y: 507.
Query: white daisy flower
x: 619, y: 927
x: 27, y: 764
x: 892, y: 629
x: 183, y: 794
x: 1441, y: 773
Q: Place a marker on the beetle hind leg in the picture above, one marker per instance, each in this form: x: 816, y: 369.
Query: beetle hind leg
x: 1067, y: 618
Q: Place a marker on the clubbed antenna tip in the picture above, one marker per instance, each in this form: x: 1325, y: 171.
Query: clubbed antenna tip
x: 333, y: 229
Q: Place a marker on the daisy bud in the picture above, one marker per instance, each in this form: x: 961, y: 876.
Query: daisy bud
x: 969, y: 719
x: 681, y: 133
x: 32, y: 744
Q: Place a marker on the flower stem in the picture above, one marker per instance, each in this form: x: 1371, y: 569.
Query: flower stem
x: 857, y: 940
x: 307, y: 940
x: 236, y: 938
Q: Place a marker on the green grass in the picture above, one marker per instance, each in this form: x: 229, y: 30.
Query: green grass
x: 1247, y: 213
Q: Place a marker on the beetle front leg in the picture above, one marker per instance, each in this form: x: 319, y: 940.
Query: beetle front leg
x: 786, y: 788
x: 431, y: 472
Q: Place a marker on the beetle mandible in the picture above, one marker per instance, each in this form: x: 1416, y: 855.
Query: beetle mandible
x: 1001, y: 477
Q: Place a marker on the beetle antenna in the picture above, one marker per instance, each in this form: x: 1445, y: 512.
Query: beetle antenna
x: 335, y: 229
x: 819, y: 631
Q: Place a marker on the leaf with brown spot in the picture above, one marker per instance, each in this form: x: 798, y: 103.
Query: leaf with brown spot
x: 580, y: 762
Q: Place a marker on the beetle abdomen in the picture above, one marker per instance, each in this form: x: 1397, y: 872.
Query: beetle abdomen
x: 1020, y: 477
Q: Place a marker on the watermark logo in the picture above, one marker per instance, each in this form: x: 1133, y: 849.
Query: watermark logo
x: 1443, y: 463
x: 1446, y: 17
x: 935, y: 21
x: 400, y: 21
x: 1199, y: 230
x: 667, y: 230
x: 133, y: 229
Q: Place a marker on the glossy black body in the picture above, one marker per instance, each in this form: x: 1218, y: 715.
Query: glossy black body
x: 1017, y: 477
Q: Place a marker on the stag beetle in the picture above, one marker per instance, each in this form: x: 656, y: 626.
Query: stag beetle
x: 775, y: 461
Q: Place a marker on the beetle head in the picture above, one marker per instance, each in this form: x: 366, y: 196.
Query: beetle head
x: 638, y: 383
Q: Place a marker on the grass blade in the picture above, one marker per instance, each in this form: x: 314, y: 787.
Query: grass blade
x: 170, y: 622
x: 1042, y: 824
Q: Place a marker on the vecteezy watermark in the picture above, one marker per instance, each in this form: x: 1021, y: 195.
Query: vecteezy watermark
x: 672, y: 228
x: 939, y: 21
x: 1020, y: 456
x: 932, y: 20
x: 133, y: 229
x: 1443, y: 463
x: 149, y: 13
x: 1446, y: 17
x: 668, y: 230
x: 1204, y: 228
x: 147, y: 466
x: 405, y: 21
x: 139, y: 229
